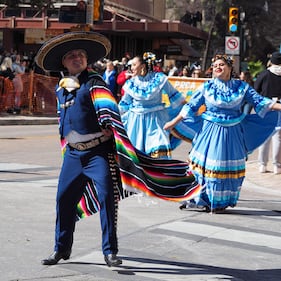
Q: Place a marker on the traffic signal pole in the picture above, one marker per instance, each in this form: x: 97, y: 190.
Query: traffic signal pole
x: 89, y: 13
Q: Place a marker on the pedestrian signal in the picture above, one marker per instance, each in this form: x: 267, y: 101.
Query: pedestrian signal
x: 233, y: 19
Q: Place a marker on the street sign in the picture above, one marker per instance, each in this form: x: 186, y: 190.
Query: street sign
x: 232, y: 45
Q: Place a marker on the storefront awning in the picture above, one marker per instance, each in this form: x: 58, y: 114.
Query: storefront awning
x: 143, y: 28
x: 179, y: 49
x: 186, y: 49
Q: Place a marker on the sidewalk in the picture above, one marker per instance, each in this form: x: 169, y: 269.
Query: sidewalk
x: 264, y: 182
x: 10, y: 119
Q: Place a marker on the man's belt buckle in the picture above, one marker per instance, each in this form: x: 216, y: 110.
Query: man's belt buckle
x: 90, y: 144
x: 86, y: 145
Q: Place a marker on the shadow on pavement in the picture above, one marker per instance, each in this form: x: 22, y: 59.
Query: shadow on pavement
x: 182, y: 268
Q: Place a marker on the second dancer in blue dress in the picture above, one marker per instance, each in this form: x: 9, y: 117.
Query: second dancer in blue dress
x: 223, y: 134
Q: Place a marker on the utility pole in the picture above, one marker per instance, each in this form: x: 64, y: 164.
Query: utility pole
x: 206, y: 51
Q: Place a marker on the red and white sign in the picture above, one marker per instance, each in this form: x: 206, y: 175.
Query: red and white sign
x: 232, y: 45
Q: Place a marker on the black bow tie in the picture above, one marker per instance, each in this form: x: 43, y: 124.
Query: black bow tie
x: 72, y: 93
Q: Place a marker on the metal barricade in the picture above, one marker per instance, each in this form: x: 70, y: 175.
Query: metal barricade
x: 38, y: 96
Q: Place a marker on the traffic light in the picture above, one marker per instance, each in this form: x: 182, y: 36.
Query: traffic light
x: 98, y: 10
x: 233, y: 19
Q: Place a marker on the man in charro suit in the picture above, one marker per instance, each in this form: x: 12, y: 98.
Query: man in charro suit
x: 88, y: 144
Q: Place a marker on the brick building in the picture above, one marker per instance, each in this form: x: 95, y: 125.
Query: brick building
x: 131, y: 26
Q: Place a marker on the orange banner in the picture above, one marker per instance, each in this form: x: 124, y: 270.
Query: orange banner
x: 186, y: 85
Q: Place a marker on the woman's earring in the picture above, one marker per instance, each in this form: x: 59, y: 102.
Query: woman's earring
x: 142, y: 72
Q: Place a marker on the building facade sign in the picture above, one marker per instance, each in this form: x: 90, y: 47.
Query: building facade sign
x: 39, y: 36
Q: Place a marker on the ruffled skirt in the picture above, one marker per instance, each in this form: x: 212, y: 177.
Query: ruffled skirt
x: 146, y: 133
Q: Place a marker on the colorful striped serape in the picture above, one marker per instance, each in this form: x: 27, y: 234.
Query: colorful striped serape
x: 133, y: 171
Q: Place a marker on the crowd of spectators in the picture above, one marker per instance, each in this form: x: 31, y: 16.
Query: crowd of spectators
x: 12, y: 67
x: 114, y: 72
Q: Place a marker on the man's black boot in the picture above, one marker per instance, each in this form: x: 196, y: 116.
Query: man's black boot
x: 112, y: 260
x: 55, y: 257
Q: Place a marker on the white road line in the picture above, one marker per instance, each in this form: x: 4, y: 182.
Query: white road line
x: 215, y: 232
x: 17, y: 166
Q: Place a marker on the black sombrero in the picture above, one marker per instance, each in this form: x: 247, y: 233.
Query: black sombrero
x: 49, y: 57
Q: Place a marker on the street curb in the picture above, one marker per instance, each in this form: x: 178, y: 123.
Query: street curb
x: 28, y: 121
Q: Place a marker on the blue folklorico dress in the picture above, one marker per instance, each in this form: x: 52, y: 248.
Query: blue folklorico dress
x: 144, y: 113
x: 223, y: 136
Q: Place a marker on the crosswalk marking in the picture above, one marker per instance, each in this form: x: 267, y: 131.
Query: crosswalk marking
x: 17, y: 166
x: 216, y: 232
x: 32, y: 174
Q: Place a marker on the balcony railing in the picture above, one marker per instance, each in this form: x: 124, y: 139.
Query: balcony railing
x: 29, y: 13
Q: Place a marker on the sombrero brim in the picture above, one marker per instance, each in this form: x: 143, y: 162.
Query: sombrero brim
x: 49, y: 57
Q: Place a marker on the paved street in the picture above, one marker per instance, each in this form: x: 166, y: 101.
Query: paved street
x: 157, y: 241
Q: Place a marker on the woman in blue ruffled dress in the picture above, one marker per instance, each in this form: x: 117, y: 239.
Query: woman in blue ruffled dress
x: 223, y: 134
x: 143, y: 110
